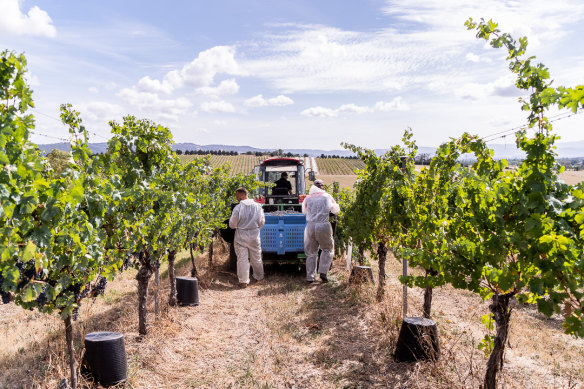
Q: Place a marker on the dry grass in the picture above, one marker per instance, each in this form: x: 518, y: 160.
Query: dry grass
x: 344, y: 181
x: 283, y: 333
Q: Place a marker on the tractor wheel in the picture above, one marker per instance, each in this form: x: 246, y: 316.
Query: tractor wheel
x: 232, y: 258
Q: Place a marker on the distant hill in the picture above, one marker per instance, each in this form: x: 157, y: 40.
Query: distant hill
x: 507, y: 151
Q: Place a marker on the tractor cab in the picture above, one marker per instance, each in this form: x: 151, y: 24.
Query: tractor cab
x: 285, y: 179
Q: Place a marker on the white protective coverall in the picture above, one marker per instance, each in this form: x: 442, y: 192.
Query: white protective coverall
x: 318, y: 232
x: 246, y: 219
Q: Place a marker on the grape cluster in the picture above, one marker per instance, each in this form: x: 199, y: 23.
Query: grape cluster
x: 128, y: 261
x: 42, y: 298
x: 27, y: 272
x: 98, y: 287
x: 75, y: 312
x: 5, y: 296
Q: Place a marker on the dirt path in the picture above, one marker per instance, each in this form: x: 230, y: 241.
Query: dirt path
x: 281, y: 333
x: 284, y: 333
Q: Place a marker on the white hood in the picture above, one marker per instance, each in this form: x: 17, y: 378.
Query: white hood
x: 315, y: 189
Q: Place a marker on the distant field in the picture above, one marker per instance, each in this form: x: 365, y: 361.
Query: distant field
x: 239, y: 163
x: 330, y: 169
x: 338, y: 166
x: 245, y: 164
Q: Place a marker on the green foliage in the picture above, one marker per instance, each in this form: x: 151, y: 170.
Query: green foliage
x: 51, y: 249
x: 376, y: 214
x: 487, y: 344
x: 520, y: 231
x: 485, y: 228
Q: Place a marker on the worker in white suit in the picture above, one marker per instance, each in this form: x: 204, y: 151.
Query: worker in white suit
x: 247, y: 219
x: 318, y: 232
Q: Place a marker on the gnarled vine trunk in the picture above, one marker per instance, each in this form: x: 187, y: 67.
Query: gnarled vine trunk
x: 156, y: 288
x: 143, y: 277
x: 194, y: 268
x: 71, y: 351
x: 382, y: 255
x: 211, y: 253
x: 502, y: 314
x: 427, y: 308
x: 172, y: 278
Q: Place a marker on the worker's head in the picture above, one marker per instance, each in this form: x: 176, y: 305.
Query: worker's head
x: 319, y: 184
x: 241, y: 193
x: 284, y: 175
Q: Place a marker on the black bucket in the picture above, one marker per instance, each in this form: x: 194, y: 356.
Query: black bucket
x: 187, y: 291
x: 417, y: 341
x: 105, y: 357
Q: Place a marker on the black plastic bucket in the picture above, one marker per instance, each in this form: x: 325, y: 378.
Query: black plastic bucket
x: 417, y: 341
x: 187, y: 291
x: 105, y: 357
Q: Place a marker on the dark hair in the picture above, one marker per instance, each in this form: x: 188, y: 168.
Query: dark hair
x: 241, y: 190
x: 284, y: 175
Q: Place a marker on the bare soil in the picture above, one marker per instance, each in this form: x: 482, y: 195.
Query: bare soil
x: 284, y: 333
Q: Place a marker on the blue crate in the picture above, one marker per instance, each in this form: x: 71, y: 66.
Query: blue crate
x: 283, y: 234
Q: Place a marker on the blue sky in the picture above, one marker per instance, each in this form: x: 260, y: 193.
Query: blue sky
x: 289, y: 74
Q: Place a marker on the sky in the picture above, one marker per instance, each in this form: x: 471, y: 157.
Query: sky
x: 289, y: 74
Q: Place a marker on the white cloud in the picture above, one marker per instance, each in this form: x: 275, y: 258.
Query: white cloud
x: 431, y: 41
x: 396, y: 104
x: 225, y: 87
x: 200, y: 74
x: 281, y: 101
x: 93, y: 89
x: 217, y: 106
x: 146, y: 84
x: 503, y: 87
x: 324, y: 59
x: 256, y: 101
x: 352, y: 108
x: 260, y: 101
x: 320, y: 112
x: 169, y: 109
x: 101, y: 111
x: 473, y: 57
x: 538, y: 19
x: 381, y: 106
x: 35, y: 23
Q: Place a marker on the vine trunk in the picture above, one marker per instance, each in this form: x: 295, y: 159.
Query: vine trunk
x: 211, y: 254
x: 172, y: 278
x: 382, y: 255
x: 427, y: 308
x: 194, y: 268
x: 143, y: 277
x: 502, y: 315
x: 71, y: 351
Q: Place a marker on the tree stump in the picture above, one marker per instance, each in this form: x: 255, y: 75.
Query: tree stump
x: 187, y: 291
x: 417, y: 341
x: 105, y: 357
x: 361, y: 275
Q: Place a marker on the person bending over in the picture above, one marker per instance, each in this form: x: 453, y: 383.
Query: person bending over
x: 318, y: 232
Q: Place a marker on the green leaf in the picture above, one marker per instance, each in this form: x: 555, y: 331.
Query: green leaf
x: 545, y: 306
x: 29, y: 251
